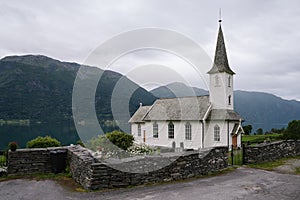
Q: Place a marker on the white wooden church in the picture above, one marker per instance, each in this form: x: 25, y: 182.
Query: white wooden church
x: 194, y: 122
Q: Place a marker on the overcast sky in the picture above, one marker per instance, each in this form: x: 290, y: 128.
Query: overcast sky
x: 262, y: 37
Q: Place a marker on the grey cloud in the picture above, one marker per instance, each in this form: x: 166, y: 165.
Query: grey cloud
x: 262, y: 37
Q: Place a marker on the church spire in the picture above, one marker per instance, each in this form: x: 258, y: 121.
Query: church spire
x: 220, y: 61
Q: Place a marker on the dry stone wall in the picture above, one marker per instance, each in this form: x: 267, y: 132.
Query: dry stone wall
x: 271, y: 151
x: 94, y: 174
x: 31, y: 161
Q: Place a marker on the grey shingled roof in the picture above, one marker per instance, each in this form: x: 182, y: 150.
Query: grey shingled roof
x: 220, y: 61
x: 184, y: 108
x: 139, y: 114
x: 223, y: 114
x: 235, y: 128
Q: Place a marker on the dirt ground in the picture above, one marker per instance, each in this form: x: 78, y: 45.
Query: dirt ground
x: 289, y: 167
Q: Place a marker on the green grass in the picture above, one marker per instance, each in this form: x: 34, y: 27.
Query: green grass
x: 268, y: 165
x: 273, y: 164
x: 260, y: 138
x: 237, y: 157
x: 2, y: 160
x: 297, y: 170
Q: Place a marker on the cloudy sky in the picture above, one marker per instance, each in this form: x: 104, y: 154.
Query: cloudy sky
x: 262, y: 37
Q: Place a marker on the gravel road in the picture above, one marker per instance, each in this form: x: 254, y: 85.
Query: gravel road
x: 243, y: 183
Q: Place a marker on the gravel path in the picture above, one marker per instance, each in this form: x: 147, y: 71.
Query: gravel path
x: 243, y: 183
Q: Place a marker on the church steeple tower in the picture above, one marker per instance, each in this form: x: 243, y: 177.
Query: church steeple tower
x: 220, y: 61
x: 221, y: 77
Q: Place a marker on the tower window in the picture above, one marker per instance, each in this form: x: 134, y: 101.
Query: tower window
x: 217, y: 80
x: 188, y: 131
x: 229, y: 81
x: 139, y: 130
x: 229, y: 100
x: 217, y: 133
x: 171, y: 130
x: 155, y: 130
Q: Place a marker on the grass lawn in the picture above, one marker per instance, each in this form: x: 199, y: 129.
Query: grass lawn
x: 260, y: 138
x: 2, y: 160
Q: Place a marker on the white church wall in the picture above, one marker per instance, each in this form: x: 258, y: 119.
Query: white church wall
x: 220, y: 91
x: 209, y: 140
x: 163, y: 140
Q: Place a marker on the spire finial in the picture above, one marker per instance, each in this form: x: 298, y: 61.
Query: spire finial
x: 220, y: 16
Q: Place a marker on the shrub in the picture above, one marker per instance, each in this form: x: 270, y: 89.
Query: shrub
x: 43, y: 142
x: 120, y: 139
x: 140, y: 149
x: 13, y: 146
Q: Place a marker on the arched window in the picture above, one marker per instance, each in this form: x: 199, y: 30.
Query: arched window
x: 171, y: 130
x: 155, y: 130
x: 139, y: 130
x: 229, y: 81
x: 188, y: 131
x: 216, y: 133
x: 229, y: 100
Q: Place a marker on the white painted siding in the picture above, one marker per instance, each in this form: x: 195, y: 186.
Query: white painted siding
x: 219, y: 93
x: 163, y: 140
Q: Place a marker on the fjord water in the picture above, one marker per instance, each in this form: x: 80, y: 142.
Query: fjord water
x: 65, y: 132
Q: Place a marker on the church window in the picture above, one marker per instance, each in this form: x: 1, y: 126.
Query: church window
x: 171, y: 130
x: 229, y: 100
x: 217, y: 133
x: 155, y: 130
x: 229, y: 81
x: 188, y: 131
x: 139, y: 130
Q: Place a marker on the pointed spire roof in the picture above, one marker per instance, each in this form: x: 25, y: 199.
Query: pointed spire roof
x: 220, y: 61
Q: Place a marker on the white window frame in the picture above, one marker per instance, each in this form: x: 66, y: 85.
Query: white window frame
x: 171, y: 130
x: 139, y: 130
x: 155, y: 130
x: 188, y: 131
x: 217, y: 133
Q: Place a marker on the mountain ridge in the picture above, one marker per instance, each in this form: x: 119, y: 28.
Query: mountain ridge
x: 260, y: 109
x: 39, y: 88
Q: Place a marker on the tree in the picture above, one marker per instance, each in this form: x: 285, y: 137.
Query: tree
x: 111, y: 141
x: 292, y: 131
x: 247, y: 129
x: 260, y: 131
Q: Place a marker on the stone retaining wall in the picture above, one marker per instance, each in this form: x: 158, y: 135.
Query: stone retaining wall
x: 271, y: 151
x: 30, y: 161
x: 94, y: 174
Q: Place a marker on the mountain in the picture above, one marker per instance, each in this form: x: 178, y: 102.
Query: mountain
x: 39, y: 88
x: 266, y: 111
x: 261, y: 110
x: 177, y: 89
